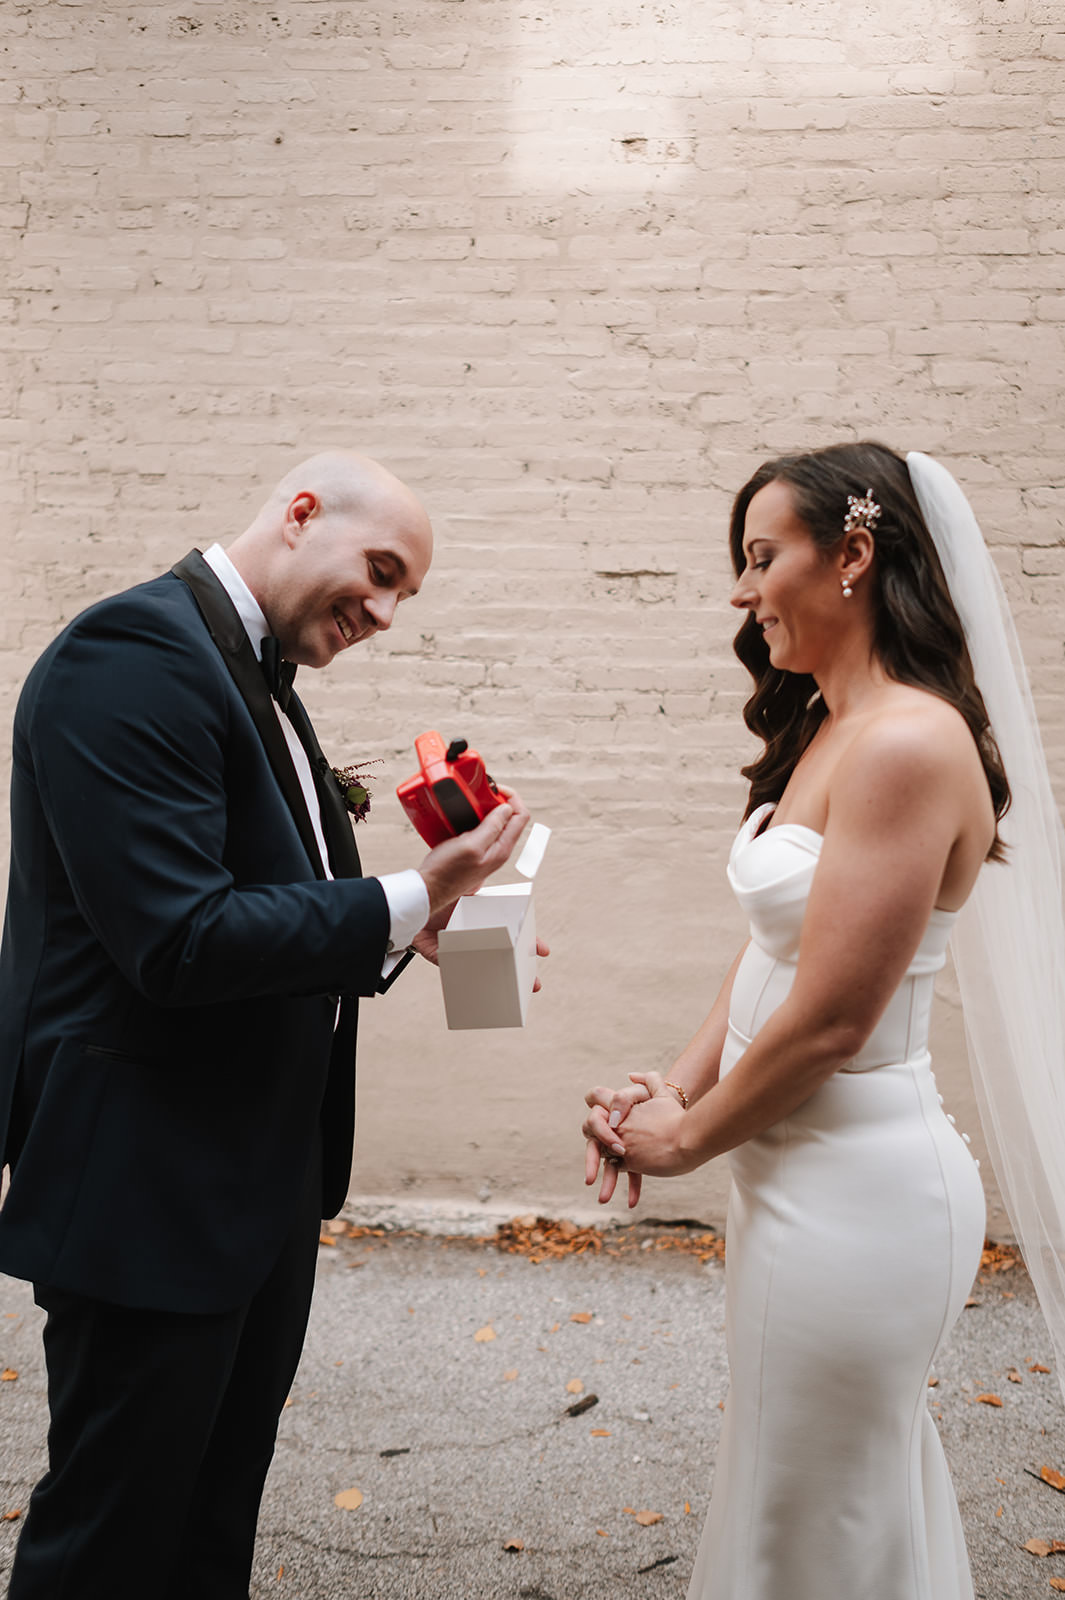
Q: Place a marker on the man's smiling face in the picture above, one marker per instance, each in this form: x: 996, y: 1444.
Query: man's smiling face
x: 344, y: 572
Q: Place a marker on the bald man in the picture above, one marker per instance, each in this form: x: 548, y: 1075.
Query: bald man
x: 187, y: 935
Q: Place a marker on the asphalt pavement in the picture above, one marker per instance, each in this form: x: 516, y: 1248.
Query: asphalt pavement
x: 446, y: 1396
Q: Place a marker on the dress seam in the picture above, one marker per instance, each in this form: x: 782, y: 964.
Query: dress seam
x: 763, y: 1353
x: 921, y: 1409
x: 770, y: 973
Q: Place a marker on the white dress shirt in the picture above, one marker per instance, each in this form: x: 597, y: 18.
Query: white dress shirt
x: 405, y: 892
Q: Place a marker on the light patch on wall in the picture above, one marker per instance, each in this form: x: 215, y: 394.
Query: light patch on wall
x: 635, y: 96
x: 594, y: 102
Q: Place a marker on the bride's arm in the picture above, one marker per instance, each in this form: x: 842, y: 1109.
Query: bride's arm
x: 895, y: 813
x: 693, y: 1073
x: 697, y: 1067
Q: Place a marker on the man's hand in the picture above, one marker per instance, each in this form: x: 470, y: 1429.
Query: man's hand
x: 427, y: 943
x: 460, y: 865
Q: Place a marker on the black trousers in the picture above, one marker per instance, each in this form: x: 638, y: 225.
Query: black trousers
x: 162, y: 1432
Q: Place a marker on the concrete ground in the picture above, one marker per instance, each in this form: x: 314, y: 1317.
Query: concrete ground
x: 438, y: 1379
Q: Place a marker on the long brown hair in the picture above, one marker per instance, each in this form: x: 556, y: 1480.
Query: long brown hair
x: 917, y: 635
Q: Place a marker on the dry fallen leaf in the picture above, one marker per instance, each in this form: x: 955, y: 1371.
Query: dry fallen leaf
x: 933, y: 1383
x: 600, y: 1433
x: 628, y: 1511
x: 647, y: 1519
x: 543, y: 1237
x: 1044, y: 1547
x: 280, y: 1573
x: 987, y: 1399
x: 1058, y: 1584
x: 513, y: 1544
x: 324, y: 1238
x: 554, y: 1327
x: 11, y: 1516
x: 509, y: 1376
x: 575, y: 1386
x: 1055, y: 1479
x: 972, y: 1301
x: 486, y: 1334
x: 1014, y: 1376
x: 999, y: 1257
x: 8, y: 1375
x: 687, y: 1509
x: 581, y: 1316
x: 579, y: 1407
x: 1036, y: 1366
x: 348, y: 1499
x: 602, y: 1533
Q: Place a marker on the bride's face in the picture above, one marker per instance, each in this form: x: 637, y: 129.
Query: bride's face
x: 790, y: 586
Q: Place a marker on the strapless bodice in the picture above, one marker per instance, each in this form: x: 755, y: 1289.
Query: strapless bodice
x: 770, y: 874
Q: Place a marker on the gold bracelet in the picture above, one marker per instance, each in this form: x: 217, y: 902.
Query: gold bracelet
x: 678, y: 1090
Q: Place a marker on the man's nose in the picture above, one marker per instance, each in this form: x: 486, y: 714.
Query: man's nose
x: 382, y: 609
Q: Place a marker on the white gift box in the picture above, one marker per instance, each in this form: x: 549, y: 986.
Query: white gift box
x: 488, y: 949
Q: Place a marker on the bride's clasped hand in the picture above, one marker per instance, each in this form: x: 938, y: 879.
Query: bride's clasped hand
x: 640, y: 1128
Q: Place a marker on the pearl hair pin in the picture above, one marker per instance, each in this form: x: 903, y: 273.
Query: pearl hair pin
x: 861, y: 513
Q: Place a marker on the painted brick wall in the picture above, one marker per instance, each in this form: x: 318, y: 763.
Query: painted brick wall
x: 572, y: 271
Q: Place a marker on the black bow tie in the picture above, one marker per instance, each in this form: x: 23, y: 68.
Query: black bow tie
x: 277, y: 672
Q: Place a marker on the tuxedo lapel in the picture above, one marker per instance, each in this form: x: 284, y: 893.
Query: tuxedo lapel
x: 336, y: 823
x: 228, y: 633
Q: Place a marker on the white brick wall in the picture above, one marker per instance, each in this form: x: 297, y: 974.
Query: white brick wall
x: 572, y: 270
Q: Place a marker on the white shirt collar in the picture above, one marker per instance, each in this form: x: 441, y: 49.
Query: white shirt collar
x: 248, y: 608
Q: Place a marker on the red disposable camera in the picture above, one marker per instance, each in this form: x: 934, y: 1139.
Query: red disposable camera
x: 451, y: 794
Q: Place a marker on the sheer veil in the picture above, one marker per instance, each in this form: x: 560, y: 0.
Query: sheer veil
x: 1009, y: 941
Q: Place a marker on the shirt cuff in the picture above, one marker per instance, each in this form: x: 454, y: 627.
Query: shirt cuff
x: 408, y: 907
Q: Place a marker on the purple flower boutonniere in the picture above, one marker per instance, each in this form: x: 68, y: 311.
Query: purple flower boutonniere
x: 354, y: 787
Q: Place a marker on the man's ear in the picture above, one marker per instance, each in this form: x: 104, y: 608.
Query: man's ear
x: 299, y: 511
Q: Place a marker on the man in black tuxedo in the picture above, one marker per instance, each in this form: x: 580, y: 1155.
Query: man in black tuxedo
x: 187, y: 936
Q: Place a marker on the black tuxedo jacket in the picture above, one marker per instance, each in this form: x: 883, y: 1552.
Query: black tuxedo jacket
x: 171, y: 961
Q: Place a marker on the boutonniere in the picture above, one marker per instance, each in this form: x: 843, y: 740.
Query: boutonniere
x: 354, y: 787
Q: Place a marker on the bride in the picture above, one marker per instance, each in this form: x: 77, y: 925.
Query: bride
x: 856, y: 1214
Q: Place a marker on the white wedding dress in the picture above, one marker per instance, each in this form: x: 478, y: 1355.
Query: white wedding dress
x: 854, y: 1233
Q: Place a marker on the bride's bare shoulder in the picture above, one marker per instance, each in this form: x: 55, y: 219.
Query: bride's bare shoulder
x: 912, y: 738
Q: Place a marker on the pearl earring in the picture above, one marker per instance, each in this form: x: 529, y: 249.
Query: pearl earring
x: 847, y: 590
